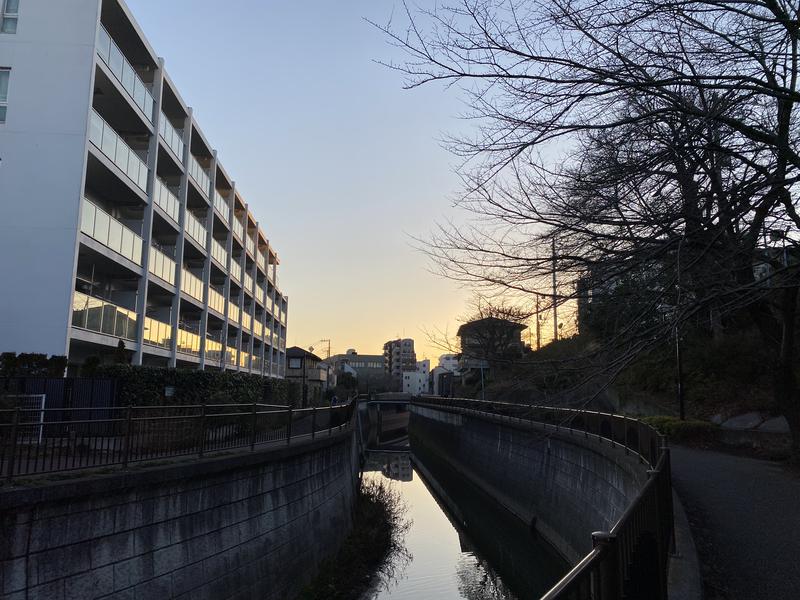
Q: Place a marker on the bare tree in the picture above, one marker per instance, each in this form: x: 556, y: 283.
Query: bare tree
x: 655, y: 142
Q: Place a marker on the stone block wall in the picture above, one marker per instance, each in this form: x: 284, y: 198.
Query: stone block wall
x: 250, y: 526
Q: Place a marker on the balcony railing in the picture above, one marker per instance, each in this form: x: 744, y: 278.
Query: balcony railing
x: 199, y: 175
x: 214, y: 349
x: 248, y: 282
x: 261, y: 261
x: 167, y: 200
x: 238, y: 228
x: 260, y: 294
x: 157, y: 333
x: 230, y: 356
x: 216, y: 301
x: 233, y: 312
x: 191, y: 284
x: 172, y: 137
x: 101, y: 316
x: 244, y: 359
x: 247, y: 321
x: 103, y: 136
x: 162, y: 266
x: 99, y: 225
x: 125, y: 73
x: 250, y: 245
x: 188, y: 342
x: 196, y: 230
x: 236, y: 270
x: 259, y: 328
x: 221, y: 205
x: 218, y: 252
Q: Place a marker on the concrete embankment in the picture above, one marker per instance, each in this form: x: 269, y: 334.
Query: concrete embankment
x: 565, y: 486
x: 253, y: 525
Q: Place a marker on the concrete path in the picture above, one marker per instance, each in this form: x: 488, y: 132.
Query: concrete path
x: 745, y: 517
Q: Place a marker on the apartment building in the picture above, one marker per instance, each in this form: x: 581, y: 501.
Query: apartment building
x: 399, y: 356
x: 118, y: 220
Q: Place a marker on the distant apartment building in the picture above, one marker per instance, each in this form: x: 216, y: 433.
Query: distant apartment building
x: 118, y: 220
x: 449, y: 362
x: 399, y: 356
x: 486, y: 341
x: 416, y: 382
x: 441, y: 382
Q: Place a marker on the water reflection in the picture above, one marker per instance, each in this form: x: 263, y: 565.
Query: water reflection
x: 460, y: 543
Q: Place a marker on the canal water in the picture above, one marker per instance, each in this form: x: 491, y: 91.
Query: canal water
x: 460, y: 543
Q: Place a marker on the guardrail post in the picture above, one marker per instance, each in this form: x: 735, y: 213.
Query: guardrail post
x: 13, y: 455
x: 202, y: 448
x: 126, y: 447
x: 289, y: 426
x: 606, y: 582
x: 313, y: 422
x: 253, y: 436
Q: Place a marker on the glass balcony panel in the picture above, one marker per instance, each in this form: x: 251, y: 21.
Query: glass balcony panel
x: 139, y: 92
x: 109, y: 318
x: 142, y: 175
x: 103, y: 44
x: 127, y: 247
x: 115, y: 236
x: 128, y: 78
x: 96, y: 129
x: 80, y: 309
x: 122, y: 156
x: 133, y: 166
x: 115, y: 61
x: 94, y: 316
x: 101, y: 225
x: 87, y: 218
x: 121, y: 325
x: 149, y: 104
x: 109, y: 145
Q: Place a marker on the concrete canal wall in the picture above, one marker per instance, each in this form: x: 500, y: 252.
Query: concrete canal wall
x: 565, y: 486
x: 254, y: 525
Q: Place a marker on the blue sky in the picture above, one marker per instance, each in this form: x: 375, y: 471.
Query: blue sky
x: 339, y: 163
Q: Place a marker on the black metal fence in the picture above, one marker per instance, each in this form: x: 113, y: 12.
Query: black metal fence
x: 37, y: 441
x: 629, y: 562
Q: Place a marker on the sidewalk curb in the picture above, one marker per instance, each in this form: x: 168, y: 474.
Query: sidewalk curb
x: 684, y: 581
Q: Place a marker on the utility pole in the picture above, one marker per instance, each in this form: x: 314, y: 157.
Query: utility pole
x: 555, y: 296
x: 538, y: 325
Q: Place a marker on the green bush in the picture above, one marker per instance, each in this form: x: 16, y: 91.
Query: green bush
x: 689, y: 431
x: 146, y: 386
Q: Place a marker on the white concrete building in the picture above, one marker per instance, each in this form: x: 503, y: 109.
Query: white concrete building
x: 117, y: 218
x: 416, y: 382
x: 449, y: 362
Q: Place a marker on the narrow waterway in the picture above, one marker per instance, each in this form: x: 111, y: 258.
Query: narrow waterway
x: 460, y: 544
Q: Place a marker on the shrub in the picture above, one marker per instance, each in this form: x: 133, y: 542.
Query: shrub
x: 689, y: 431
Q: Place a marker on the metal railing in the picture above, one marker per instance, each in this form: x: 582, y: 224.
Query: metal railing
x: 631, y: 560
x: 37, y: 441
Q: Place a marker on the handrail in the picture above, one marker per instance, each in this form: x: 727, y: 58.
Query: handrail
x: 645, y: 528
x: 37, y: 441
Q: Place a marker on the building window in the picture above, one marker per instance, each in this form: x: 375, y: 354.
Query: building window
x: 295, y: 363
x: 8, y: 19
x: 4, y: 76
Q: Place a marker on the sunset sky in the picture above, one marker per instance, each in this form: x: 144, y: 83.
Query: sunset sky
x: 340, y: 165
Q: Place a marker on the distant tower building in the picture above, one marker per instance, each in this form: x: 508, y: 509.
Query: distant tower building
x: 399, y: 356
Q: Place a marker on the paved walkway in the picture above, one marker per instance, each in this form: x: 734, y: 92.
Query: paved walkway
x: 745, y: 517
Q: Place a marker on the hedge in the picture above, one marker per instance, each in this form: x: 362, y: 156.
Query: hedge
x: 688, y: 431
x: 146, y: 386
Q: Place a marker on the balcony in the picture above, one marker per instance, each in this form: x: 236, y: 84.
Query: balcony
x: 238, y: 228
x: 103, y: 136
x: 162, y: 266
x: 259, y: 329
x: 236, y: 270
x: 214, y: 349
x: 230, y: 356
x: 191, y: 285
x: 219, y: 253
x: 100, y: 226
x: 216, y: 301
x: 261, y: 261
x: 260, y: 294
x: 101, y: 316
x: 247, y: 321
x: 196, y: 229
x: 112, y: 56
x: 157, y: 333
x: 199, y: 175
x: 172, y: 137
x: 250, y: 244
x: 244, y: 359
x: 188, y: 342
x: 248, y: 283
x: 221, y: 205
x: 167, y: 201
x: 233, y: 313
